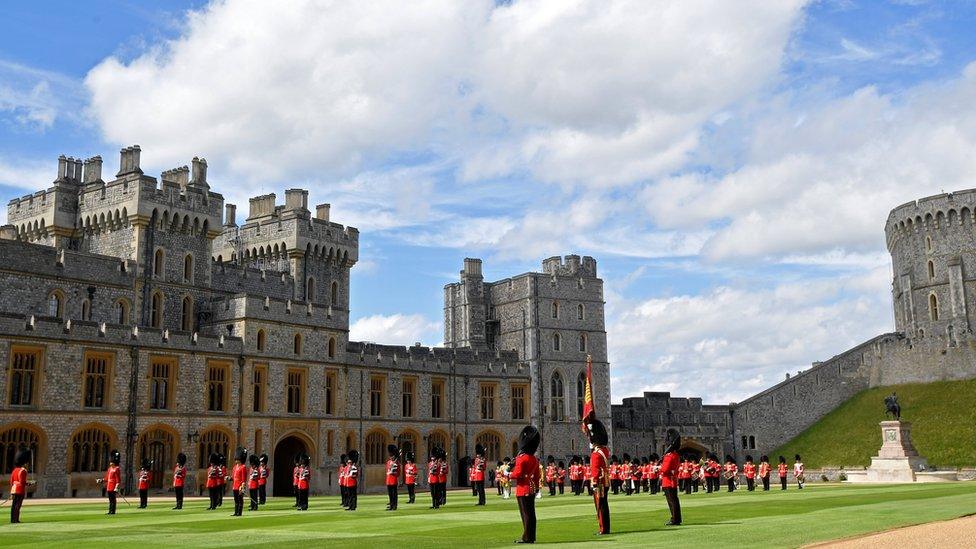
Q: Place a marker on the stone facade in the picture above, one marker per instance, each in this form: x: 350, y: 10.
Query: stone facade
x: 641, y: 423
x: 138, y: 315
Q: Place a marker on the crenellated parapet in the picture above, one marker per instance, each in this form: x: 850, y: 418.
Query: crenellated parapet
x: 461, y: 362
x: 571, y: 265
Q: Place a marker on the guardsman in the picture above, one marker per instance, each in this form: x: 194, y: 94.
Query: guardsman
x: 588, y: 475
x: 145, y: 474
x: 304, y: 481
x: 716, y: 472
x: 764, y: 470
x: 781, y: 469
x: 238, y: 478
x: 506, y: 479
x: 731, y: 472
x: 560, y: 476
x: 478, y: 472
x: 798, y: 472
x: 442, y: 475
x: 253, y: 481
x: 352, y: 478
x: 499, y: 480
x: 646, y: 474
x: 222, y: 480
x: 598, y: 471
x: 684, y: 476
x: 179, y: 479
x: 294, y: 479
x: 749, y: 470
x: 525, y: 473
x: 213, y: 472
x: 573, y: 475
x: 626, y: 475
x: 551, y: 475
x: 19, y: 483
x: 614, y: 474
x: 112, y: 479
x: 432, y: 470
x: 669, y: 475
x: 696, y: 472
x: 263, y: 473
x: 392, y: 475
x: 410, y: 476
x: 343, y: 489
x: 653, y: 476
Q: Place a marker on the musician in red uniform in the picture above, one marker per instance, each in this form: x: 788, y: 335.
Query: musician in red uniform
x: 410, y: 476
x: 341, y: 472
x: 764, y: 470
x: 294, y: 479
x: 432, y: 468
x: 731, y: 472
x: 551, y: 475
x: 238, y: 477
x: 112, y: 479
x: 442, y: 471
x: 19, y: 483
x: 222, y: 479
x: 352, y: 478
x: 253, y: 481
x: 615, y: 474
x: 588, y: 476
x: 574, y: 475
x: 669, y: 475
x: 263, y: 473
x: 749, y: 470
x: 684, y: 476
x: 213, y: 472
x: 478, y: 472
x: 781, y: 469
x: 145, y: 474
x: 304, y: 481
x: 623, y: 470
x: 561, y: 476
x: 525, y: 474
x: 598, y: 469
x: 392, y: 475
x: 714, y: 472
x: 179, y: 479
x: 654, y: 473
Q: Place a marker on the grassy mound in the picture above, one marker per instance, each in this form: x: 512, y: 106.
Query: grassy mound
x: 943, y: 417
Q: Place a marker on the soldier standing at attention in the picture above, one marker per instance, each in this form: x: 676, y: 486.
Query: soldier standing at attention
x: 669, y: 475
x: 112, y: 480
x: 179, y: 478
x: 478, y: 472
x: 212, y: 473
x: 392, y: 475
x: 294, y: 479
x: 343, y: 491
x: 145, y: 473
x: 614, y: 474
x: 352, y: 478
x: 655, y: 470
x: 253, y: 481
x: 551, y: 475
x: 432, y: 469
x: 798, y: 472
x: 304, y: 481
x: 410, y: 477
x: 749, y: 470
x: 764, y: 470
x: 19, y: 483
x: 684, y: 476
x: 222, y: 480
x: 561, y: 476
x: 527, y: 479
x: 499, y: 477
x: 442, y: 475
x: 731, y: 472
x: 781, y: 469
x: 599, y: 471
x: 238, y: 476
x: 588, y: 481
x: 263, y: 473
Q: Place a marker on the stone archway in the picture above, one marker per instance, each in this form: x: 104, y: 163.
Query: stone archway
x: 284, y: 463
x: 692, y: 448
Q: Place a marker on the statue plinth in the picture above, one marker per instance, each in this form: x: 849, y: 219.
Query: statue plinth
x: 897, y: 461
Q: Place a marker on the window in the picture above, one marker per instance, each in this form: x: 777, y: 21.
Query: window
x: 334, y: 295
x: 159, y: 447
x: 931, y: 270
x: 555, y: 309
x: 437, y: 398
x: 933, y: 307
x: 12, y: 440
x: 580, y: 394
x: 745, y: 442
x: 212, y: 441
x: 55, y: 304
x: 928, y: 243
x: 331, y: 388
x: 376, y: 392
x: 493, y: 446
x: 188, y: 268
x: 90, y: 450
x: 96, y: 385
x: 156, y: 311
x: 582, y: 343
x: 752, y: 442
x: 162, y: 372
x: 557, y: 412
x: 297, y: 344
x: 409, y: 386
x: 310, y: 289
x: 122, y: 311
x: 259, y: 384
x: 407, y: 442
x: 86, y: 310
x: 260, y: 340
x: 580, y: 310
x: 158, y: 263
x: 296, y: 391
x: 186, y: 317
x: 579, y: 283
x: 518, y: 402
x: 217, y: 385
x: 375, y: 448
x: 556, y: 343
x: 487, y: 401
x: 332, y: 347
x: 25, y: 368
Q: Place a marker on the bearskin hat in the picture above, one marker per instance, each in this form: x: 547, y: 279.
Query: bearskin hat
x: 353, y: 456
x: 223, y: 459
x: 626, y: 456
x: 654, y: 457
x: 797, y: 457
x: 748, y: 457
x: 22, y: 458
x: 146, y: 464
x: 614, y: 459
x: 586, y: 460
x: 782, y: 459
x: 214, y: 458
x: 598, y: 433
x: 392, y: 450
x: 479, y: 450
x: 764, y: 459
x: 263, y: 460
x: 441, y: 453
x: 115, y: 457
x: 342, y: 459
x: 550, y: 459
x: 507, y: 459
x: 306, y: 460
x: 672, y: 441
x: 409, y: 457
x: 728, y: 459
x: 240, y: 455
x: 561, y: 464
x: 254, y: 460
x: 529, y: 440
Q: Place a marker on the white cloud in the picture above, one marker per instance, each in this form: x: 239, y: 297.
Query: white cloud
x: 396, y: 329
x: 34, y: 99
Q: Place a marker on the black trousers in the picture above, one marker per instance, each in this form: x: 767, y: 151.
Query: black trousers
x: 111, y: 502
x: 694, y: 485
x: 602, y: 504
x: 527, y: 510
x: 411, y: 492
x: 18, y: 501
x: 298, y: 496
x: 252, y: 494
x: 671, y: 494
x: 435, y: 495
x: 731, y: 484
x: 344, y: 495
x: 262, y: 493
x: 143, y: 499
x: 220, y: 494
x: 765, y: 481
x: 655, y: 485
x: 179, y: 496
x: 303, y: 499
x: 615, y: 486
x: 352, y: 497
x: 474, y: 491
x: 628, y: 487
x: 212, y: 492
x: 391, y: 491
x: 499, y: 486
x: 782, y: 481
x: 560, y: 485
x: 552, y: 488
x: 687, y: 485
x: 238, y: 503
x: 479, y: 487
x: 589, y: 487
x: 442, y: 491
x: 750, y: 484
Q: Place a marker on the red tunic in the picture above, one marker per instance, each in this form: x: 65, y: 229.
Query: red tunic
x: 262, y: 475
x: 410, y: 473
x: 18, y: 481
x: 478, y: 470
x: 392, y: 472
x: 684, y: 471
x: 669, y: 470
x: 763, y: 470
x: 550, y: 473
x: 113, y: 477
x: 254, y: 477
x: 294, y: 476
x: 442, y: 471
x: 561, y: 476
x: 213, y: 474
x: 179, y: 476
x: 750, y: 470
x: 238, y: 474
x: 144, y: 479
x: 526, y: 475
x: 599, y: 469
x: 352, y: 475
x: 432, y: 468
x: 304, y: 474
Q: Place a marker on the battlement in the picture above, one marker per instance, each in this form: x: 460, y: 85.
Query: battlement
x: 931, y: 212
x: 465, y: 361
x: 276, y: 309
x: 66, y: 264
x: 571, y: 265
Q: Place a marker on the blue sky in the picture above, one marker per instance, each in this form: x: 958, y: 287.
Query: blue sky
x: 730, y: 165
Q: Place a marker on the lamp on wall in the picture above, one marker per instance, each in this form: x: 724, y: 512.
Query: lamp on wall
x: 193, y: 437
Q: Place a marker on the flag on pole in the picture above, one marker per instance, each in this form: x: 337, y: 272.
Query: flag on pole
x: 589, y: 411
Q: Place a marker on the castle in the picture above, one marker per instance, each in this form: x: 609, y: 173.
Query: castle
x: 932, y: 242
x: 138, y: 314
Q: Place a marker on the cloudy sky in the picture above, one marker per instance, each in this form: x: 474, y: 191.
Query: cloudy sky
x: 729, y: 164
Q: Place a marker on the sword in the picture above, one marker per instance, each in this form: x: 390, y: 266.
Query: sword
x: 4, y: 502
x: 121, y: 495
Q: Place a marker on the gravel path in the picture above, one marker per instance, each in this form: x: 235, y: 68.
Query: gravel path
x: 959, y: 532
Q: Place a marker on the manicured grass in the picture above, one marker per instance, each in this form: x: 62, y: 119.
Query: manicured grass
x: 943, y: 417
x: 758, y: 519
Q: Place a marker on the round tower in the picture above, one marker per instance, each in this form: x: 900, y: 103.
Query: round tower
x: 932, y: 242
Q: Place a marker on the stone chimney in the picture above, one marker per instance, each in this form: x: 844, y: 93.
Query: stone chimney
x: 62, y: 167
x: 296, y: 199
x: 177, y: 176
x: 472, y: 267
x: 322, y: 212
x: 93, y: 170
x: 261, y: 206
x: 129, y: 161
x: 74, y: 169
x: 199, y: 173
x: 230, y: 215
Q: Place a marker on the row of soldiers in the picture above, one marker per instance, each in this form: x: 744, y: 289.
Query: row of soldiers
x: 643, y: 474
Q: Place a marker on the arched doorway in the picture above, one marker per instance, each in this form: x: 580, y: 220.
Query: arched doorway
x: 284, y: 463
x: 692, y: 449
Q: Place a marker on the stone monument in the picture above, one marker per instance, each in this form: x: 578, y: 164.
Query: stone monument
x: 897, y: 461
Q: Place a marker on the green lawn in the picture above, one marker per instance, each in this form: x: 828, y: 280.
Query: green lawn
x: 772, y: 519
x: 943, y: 417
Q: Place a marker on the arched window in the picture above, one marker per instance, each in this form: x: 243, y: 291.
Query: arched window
x: 555, y: 309
x: 334, y: 295
x: 188, y: 268
x: 122, y: 311
x: 260, y: 340
x: 931, y: 270
x: 580, y: 393
x: 582, y: 343
x: 436, y: 439
x: 86, y: 310
x: 159, y: 263
x: 298, y: 344
x: 375, y: 448
x: 556, y: 343
x: 55, y: 304
x: 752, y: 442
x: 332, y: 347
x: 928, y: 243
x: 212, y: 441
x: 310, y: 289
x: 557, y: 402
x: 186, y: 317
x: 407, y: 442
x: 493, y: 445
x: 580, y: 310
x: 159, y: 447
x: 933, y: 307
x: 579, y: 283
x: 12, y: 440
x: 90, y: 450
x: 156, y: 310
